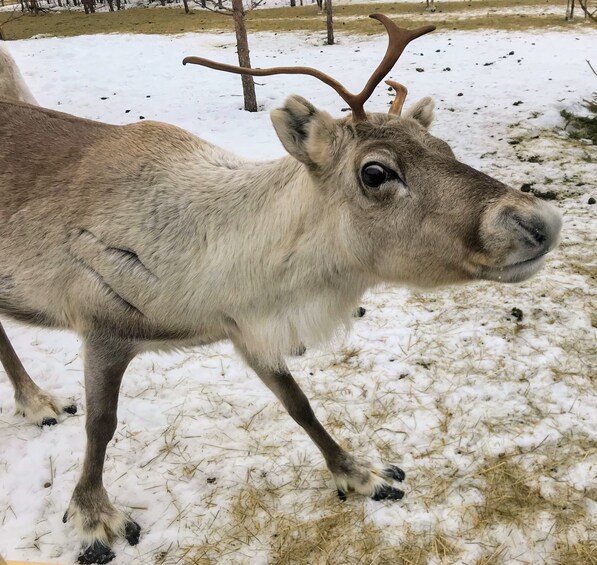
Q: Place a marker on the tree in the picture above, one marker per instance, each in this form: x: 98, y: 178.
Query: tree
x: 329, y: 22
x: 590, y: 12
x: 238, y: 11
x: 14, y: 15
x: 570, y: 11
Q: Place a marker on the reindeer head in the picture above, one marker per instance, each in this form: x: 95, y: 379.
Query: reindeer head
x: 414, y: 213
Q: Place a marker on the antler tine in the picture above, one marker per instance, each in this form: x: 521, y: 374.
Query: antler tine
x: 398, y: 39
x: 348, y: 97
x: 401, y: 92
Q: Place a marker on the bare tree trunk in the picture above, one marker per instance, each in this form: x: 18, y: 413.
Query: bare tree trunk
x: 110, y: 4
x: 242, y: 44
x: 186, y: 6
x: 329, y: 21
x: 204, y: 3
x: 570, y: 11
x: 292, y: 3
x: 118, y: 5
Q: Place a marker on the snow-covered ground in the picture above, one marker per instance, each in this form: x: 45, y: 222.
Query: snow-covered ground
x: 493, y: 418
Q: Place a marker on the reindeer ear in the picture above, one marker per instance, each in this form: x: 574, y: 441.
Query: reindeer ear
x: 303, y: 130
x: 422, y: 112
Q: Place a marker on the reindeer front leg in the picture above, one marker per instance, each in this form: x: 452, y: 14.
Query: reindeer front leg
x: 97, y: 521
x: 350, y: 473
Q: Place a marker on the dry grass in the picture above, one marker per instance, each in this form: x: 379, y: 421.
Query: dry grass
x: 349, y: 19
x: 510, y: 498
x: 288, y: 539
x: 581, y: 553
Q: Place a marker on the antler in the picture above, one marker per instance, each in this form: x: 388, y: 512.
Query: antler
x: 401, y: 92
x: 398, y: 39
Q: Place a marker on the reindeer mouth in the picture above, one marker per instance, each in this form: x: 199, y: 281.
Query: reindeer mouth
x: 515, y: 272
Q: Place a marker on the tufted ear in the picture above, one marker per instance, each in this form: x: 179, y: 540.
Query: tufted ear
x: 305, y: 132
x: 422, y: 112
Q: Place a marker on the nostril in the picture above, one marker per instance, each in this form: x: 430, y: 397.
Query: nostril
x: 533, y: 230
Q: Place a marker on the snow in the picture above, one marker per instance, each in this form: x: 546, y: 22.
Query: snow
x: 442, y: 384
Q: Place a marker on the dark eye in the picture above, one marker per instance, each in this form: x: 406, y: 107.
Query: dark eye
x: 374, y: 175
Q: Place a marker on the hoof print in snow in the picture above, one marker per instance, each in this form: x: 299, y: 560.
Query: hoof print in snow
x: 132, y: 532
x: 141, y: 117
x: 517, y: 103
x: 360, y: 312
x: 97, y: 553
x: 386, y: 492
x: 211, y: 480
x: 517, y: 314
x: 420, y: 70
x: 70, y: 409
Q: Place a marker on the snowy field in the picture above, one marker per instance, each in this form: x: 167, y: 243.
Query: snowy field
x: 492, y: 412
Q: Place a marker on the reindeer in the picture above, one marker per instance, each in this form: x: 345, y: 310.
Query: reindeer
x: 144, y: 237
x: 12, y: 85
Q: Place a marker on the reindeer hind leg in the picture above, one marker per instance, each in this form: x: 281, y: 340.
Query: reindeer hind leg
x: 35, y: 404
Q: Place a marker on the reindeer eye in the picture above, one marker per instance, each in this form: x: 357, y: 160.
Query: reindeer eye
x: 375, y: 174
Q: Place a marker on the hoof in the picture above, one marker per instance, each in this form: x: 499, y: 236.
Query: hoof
x: 97, y: 553
x: 386, y: 492
x: 48, y: 422
x: 132, y: 532
x: 70, y: 409
x: 341, y: 495
x: 393, y: 472
x: 359, y: 312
